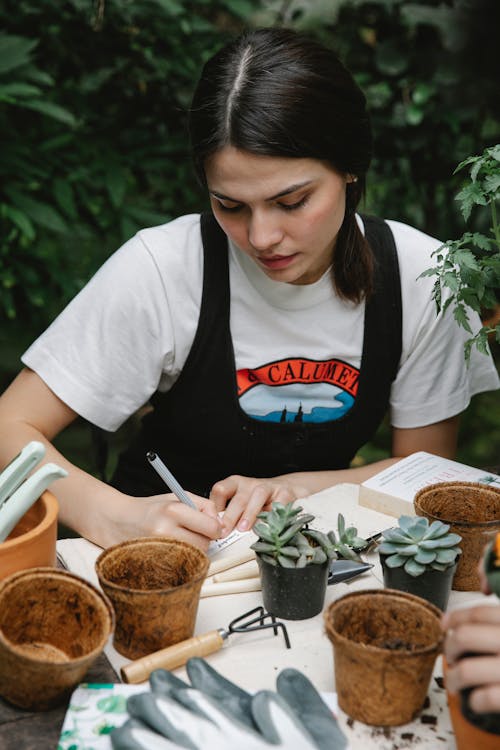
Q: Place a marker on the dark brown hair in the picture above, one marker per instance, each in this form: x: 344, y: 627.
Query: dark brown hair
x: 275, y: 92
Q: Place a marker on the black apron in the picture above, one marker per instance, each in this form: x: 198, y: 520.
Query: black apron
x: 198, y: 427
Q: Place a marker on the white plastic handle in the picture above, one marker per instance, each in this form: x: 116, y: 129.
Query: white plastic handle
x: 20, y: 466
x: 16, y: 506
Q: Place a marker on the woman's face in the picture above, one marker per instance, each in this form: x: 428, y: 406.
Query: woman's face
x: 284, y: 213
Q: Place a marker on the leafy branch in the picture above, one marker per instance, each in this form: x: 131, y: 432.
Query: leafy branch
x: 469, y: 268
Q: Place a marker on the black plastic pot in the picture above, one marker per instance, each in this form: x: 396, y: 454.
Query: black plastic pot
x: 432, y: 585
x: 293, y: 593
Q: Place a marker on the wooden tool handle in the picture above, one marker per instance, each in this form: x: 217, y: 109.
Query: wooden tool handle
x: 172, y: 656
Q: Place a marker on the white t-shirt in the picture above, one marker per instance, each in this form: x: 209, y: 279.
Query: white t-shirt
x: 129, y: 331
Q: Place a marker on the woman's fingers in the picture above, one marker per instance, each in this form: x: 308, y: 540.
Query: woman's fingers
x: 474, y: 631
x: 223, y: 491
x: 473, y: 638
x: 474, y: 671
x: 485, y: 699
x: 163, y: 516
x: 243, y: 498
x: 481, y: 614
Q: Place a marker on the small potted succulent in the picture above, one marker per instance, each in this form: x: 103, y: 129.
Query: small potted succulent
x: 420, y: 558
x: 347, y: 544
x: 293, y: 562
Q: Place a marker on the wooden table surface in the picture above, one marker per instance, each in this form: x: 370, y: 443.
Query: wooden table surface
x: 40, y: 730
x: 311, y: 653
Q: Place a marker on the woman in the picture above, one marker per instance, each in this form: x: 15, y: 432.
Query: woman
x: 246, y: 331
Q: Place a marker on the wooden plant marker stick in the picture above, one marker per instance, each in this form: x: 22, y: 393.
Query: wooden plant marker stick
x: 246, y: 570
x: 230, y: 587
x: 231, y: 561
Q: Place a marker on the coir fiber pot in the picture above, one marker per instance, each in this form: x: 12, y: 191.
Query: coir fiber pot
x: 53, y: 625
x: 293, y: 593
x: 468, y: 736
x: 473, y: 511
x: 385, y: 643
x: 432, y: 585
x: 154, y: 585
x: 32, y: 542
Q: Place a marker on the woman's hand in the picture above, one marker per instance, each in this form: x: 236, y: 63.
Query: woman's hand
x: 244, y: 497
x: 165, y: 515
x: 474, y: 630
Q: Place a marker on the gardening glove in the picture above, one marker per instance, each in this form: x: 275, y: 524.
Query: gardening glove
x: 214, y: 713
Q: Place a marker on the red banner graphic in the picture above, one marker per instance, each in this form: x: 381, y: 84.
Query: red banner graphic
x: 287, y: 371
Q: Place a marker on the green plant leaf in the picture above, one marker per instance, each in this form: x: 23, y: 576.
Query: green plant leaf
x: 65, y: 197
x: 396, y: 561
x: 290, y: 551
x: 470, y: 196
x: 41, y: 213
x: 446, y: 556
x: 51, y: 110
x: 395, y: 535
x: 270, y: 560
x: 262, y: 547
x: 460, y: 315
x: 319, y: 556
x: 285, y: 562
x: 9, y: 91
x: 424, y: 557
x: 116, y: 184
x: 492, y: 183
x: 413, y: 568
x: 262, y: 530
x: 437, y: 529
x: 15, y: 51
x: 21, y: 220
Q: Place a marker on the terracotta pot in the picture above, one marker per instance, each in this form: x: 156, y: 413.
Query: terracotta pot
x: 293, y: 593
x: 467, y: 735
x: 385, y: 643
x: 154, y: 585
x: 473, y: 511
x: 32, y: 543
x: 53, y: 625
x: 432, y: 585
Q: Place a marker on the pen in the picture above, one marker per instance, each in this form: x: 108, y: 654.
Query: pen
x: 169, y: 479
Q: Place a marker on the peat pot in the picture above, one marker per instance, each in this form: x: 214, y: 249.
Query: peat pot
x: 293, y: 593
x: 385, y: 644
x: 154, y: 585
x: 473, y: 511
x: 53, y: 625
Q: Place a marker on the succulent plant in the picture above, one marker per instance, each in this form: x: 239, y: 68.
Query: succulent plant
x: 285, y: 540
x: 417, y: 546
x: 345, y: 544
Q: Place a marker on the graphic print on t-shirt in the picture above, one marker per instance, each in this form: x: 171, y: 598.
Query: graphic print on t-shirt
x: 298, y: 390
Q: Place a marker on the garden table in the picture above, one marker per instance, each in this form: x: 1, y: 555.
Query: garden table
x: 253, y: 660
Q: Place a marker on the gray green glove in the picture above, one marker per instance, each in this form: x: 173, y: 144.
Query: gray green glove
x: 212, y: 713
